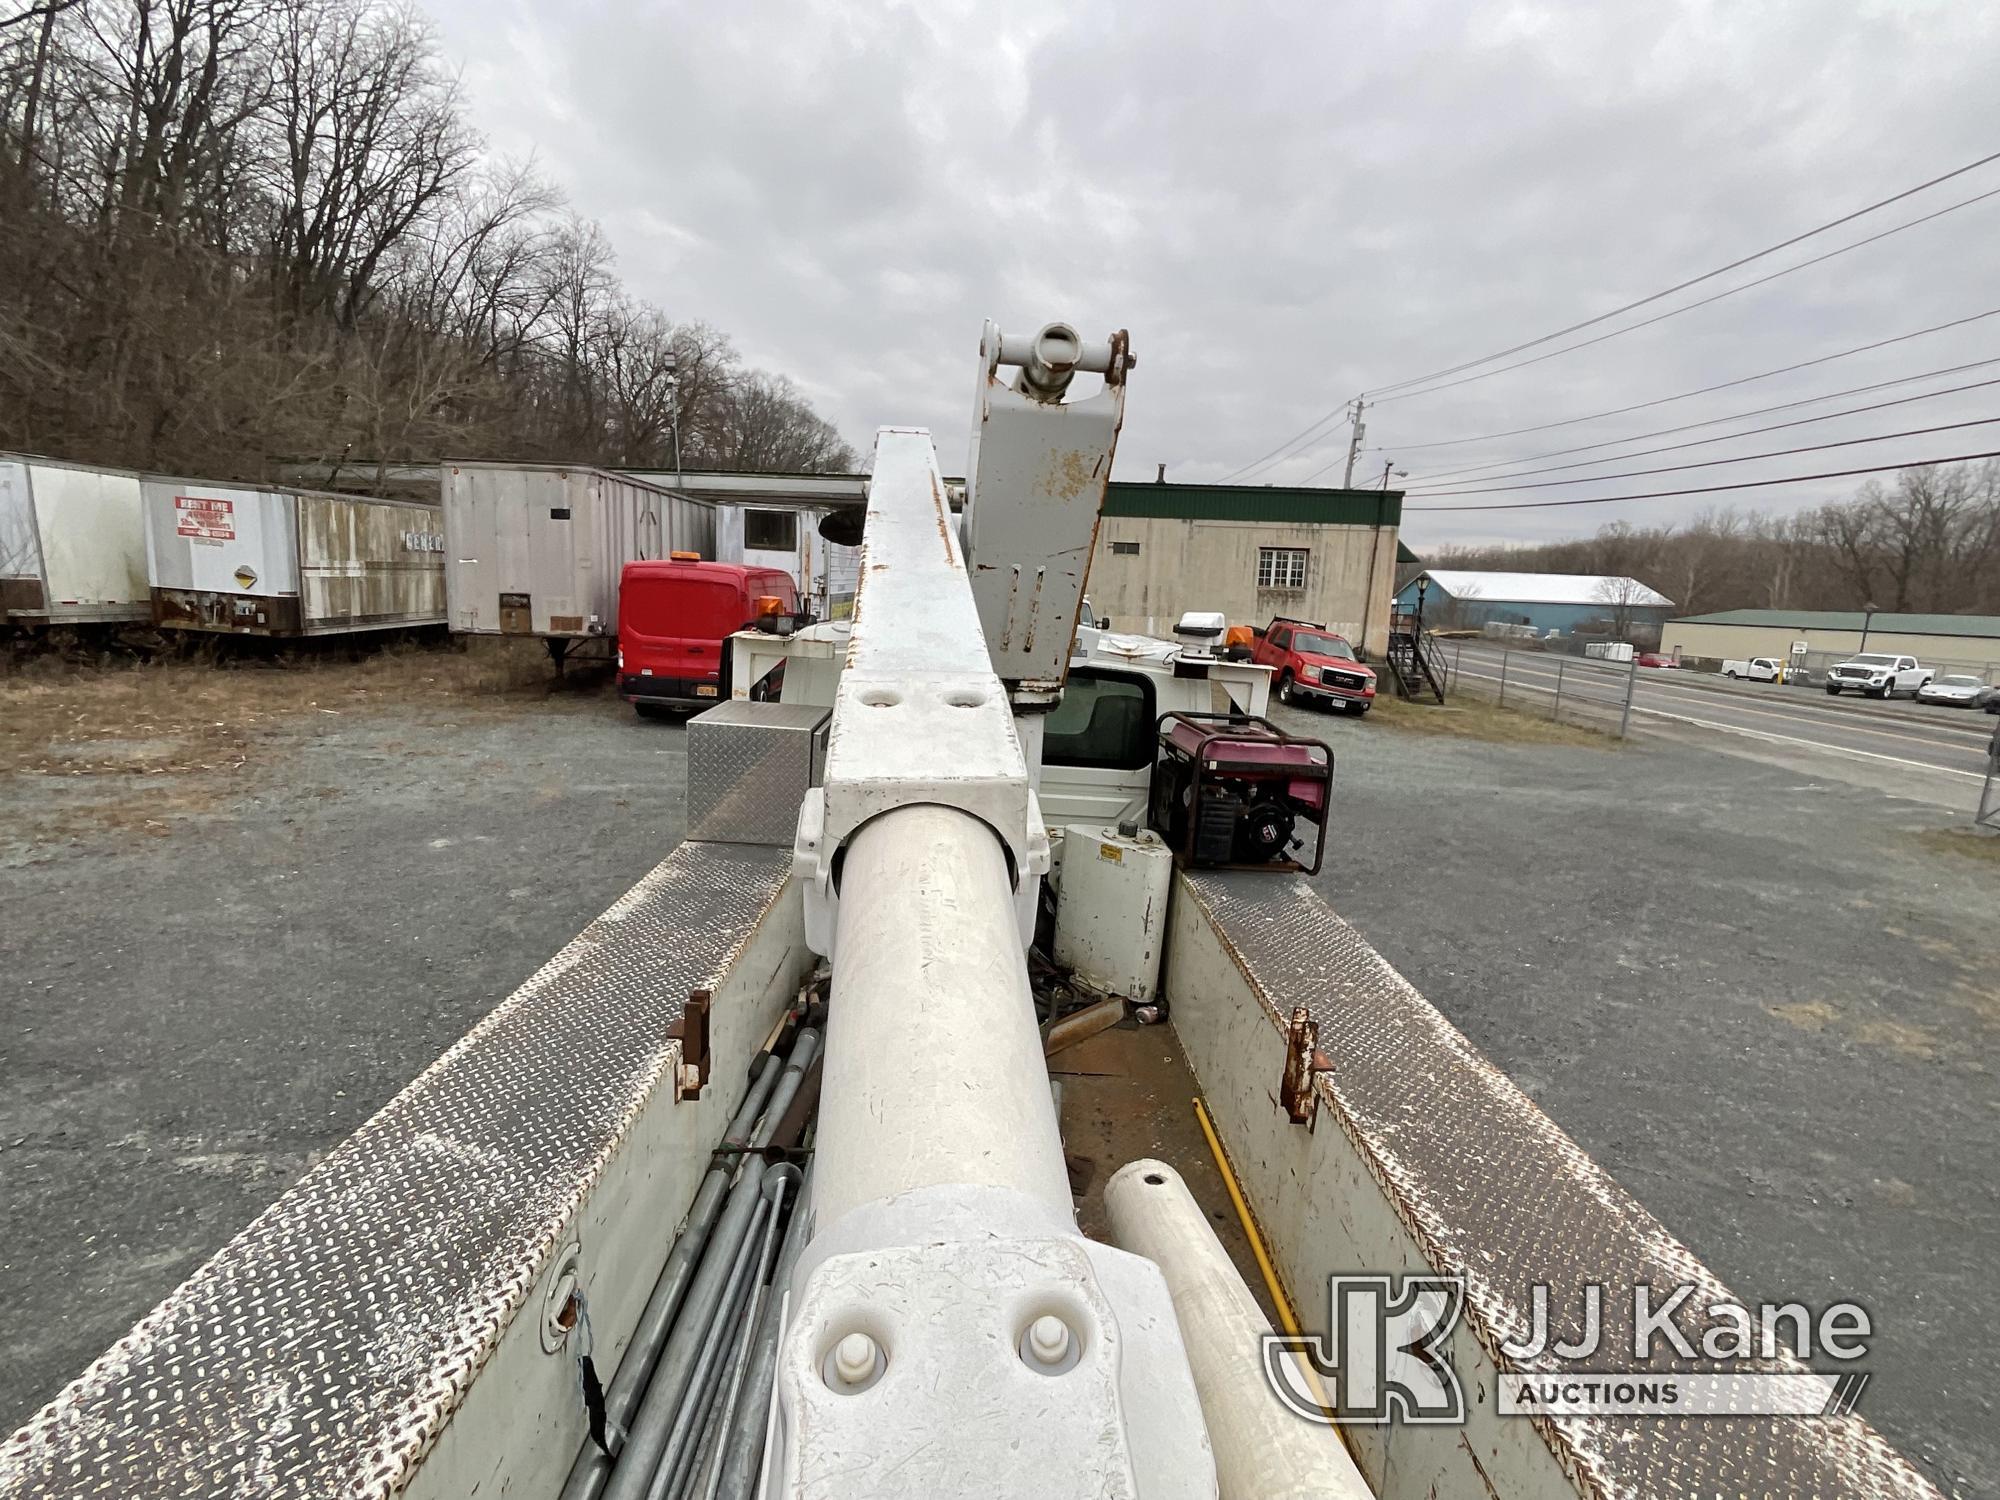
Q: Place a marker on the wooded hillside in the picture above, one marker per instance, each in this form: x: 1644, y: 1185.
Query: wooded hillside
x: 237, y: 233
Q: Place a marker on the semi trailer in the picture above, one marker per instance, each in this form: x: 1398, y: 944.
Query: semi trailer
x: 72, y: 544
x: 279, y: 561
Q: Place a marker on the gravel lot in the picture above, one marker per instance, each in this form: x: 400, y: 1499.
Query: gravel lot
x: 1767, y: 1004
x: 191, y: 1013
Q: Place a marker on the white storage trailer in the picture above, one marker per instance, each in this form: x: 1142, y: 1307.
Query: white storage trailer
x: 72, y: 544
x: 762, y: 536
x: 536, y: 549
x: 252, y: 560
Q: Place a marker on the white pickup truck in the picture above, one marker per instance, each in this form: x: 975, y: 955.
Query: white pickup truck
x: 1757, y: 669
x: 1879, y: 676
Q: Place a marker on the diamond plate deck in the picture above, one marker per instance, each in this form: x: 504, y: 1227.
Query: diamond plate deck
x: 322, y: 1351
x: 1492, y: 1190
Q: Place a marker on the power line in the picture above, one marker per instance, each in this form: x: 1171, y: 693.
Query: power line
x: 1758, y: 411
x: 1294, y: 444
x: 1711, y: 463
x: 1852, y: 411
x: 1289, y: 447
x: 1901, y: 338
x: 1712, y: 489
x: 1675, y: 312
x: 1694, y: 280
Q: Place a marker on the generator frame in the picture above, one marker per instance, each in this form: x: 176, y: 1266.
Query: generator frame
x: 1209, y: 758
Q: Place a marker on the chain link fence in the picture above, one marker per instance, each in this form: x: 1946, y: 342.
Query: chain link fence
x: 1988, y: 815
x: 1576, y: 690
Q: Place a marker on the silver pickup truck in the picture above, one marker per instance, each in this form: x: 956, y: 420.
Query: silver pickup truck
x: 1881, y: 676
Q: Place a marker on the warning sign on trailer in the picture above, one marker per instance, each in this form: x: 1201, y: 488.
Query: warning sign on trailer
x: 204, y: 519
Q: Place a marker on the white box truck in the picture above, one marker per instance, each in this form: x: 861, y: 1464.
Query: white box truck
x: 72, y: 544
x: 1756, y: 669
x: 536, y: 549
x: 278, y: 561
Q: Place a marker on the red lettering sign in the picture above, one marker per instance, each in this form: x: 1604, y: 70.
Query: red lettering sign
x: 206, y: 520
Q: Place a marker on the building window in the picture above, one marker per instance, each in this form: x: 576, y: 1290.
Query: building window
x: 1124, y: 549
x: 1281, y: 568
x: 771, y: 530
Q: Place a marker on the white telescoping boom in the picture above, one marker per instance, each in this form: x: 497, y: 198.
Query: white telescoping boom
x: 952, y: 1331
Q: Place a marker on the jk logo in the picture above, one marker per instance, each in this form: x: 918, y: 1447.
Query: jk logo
x: 1387, y: 1357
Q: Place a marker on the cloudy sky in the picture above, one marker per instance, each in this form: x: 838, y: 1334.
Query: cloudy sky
x: 1290, y: 205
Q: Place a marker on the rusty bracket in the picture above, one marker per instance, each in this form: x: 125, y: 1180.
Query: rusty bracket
x: 1304, y: 1063
x: 691, y: 1031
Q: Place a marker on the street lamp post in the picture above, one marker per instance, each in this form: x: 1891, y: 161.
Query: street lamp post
x: 1867, y: 617
x: 674, y: 411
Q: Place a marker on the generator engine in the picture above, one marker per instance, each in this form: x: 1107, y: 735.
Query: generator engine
x: 1233, y: 791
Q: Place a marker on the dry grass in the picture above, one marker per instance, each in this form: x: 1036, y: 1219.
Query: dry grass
x: 1469, y: 718
x: 1972, y: 843
x: 163, y: 717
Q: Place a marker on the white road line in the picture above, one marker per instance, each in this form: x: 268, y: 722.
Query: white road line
x: 1788, y: 739
x: 1918, y: 733
x: 1846, y: 723
x: 1527, y: 674
x: 1803, y: 710
x: 1784, y: 739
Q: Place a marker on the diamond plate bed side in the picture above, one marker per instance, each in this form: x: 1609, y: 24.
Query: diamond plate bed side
x: 323, y: 1351
x: 1433, y: 1160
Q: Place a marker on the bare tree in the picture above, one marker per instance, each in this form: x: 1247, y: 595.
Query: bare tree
x: 235, y: 232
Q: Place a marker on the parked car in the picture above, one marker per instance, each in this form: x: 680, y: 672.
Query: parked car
x: 675, y: 618
x: 1655, y: 659
x: 1310, y: 664
x: 1955, y: 692
x: 1879, y: 676
x: 1756, y: 669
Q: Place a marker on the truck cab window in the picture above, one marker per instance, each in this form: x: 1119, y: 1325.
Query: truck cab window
x: 1105, y: 720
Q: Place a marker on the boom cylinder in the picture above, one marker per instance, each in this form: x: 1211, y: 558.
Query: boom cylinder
x: 934, y: 1072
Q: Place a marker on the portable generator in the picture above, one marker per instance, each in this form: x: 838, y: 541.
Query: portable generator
x: 1233, y: 791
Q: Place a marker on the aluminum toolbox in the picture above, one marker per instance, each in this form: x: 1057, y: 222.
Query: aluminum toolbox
x: 748, y: 768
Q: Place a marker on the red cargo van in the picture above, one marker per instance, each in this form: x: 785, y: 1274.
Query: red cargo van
x: 675, y: 615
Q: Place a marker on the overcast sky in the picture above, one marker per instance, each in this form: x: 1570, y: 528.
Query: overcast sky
x: 1289, y: 205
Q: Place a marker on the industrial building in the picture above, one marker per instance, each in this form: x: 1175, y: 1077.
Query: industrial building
x: 1566, y: 603
x: 1250, y: 551
x: 1820, y: 637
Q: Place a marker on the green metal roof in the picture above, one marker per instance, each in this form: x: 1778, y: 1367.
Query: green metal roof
x: 1404, y: 554
x: 1851, y: 619
x: 1254, y: 502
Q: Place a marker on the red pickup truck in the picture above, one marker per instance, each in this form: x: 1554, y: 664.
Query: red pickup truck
x: 1312, y: 665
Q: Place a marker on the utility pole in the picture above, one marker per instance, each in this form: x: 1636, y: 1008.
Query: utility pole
x: 1354, y: 410
x: 673, y: 372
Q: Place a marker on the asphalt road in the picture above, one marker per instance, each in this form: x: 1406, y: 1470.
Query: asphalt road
x: 1935, y: 753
